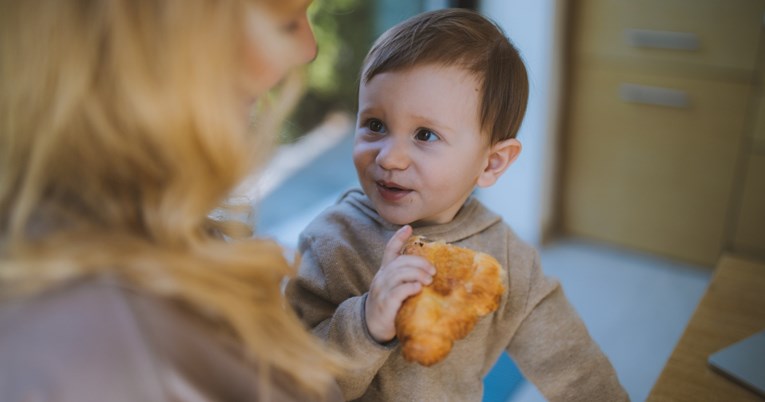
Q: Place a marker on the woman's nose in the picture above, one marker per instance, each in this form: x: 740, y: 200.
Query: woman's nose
x: 393, y: 154
x: 308, y: 46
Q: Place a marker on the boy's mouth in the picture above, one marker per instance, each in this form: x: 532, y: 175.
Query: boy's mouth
x: 390, y: 191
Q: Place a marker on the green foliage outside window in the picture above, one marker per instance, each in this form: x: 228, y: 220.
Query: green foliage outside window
x: 344, y: 32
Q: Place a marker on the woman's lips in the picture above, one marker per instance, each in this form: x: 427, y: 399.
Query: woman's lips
x: 391, y: 191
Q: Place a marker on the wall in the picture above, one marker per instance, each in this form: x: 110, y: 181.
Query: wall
x: 525, y: 195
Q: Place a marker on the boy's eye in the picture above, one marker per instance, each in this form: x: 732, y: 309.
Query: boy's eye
x: 376, y: 126
x: 426, y: 135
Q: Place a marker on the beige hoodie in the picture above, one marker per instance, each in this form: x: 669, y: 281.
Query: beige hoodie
x: 341, y: 251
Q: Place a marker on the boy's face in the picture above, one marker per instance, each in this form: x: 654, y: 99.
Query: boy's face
x: 419, y: 151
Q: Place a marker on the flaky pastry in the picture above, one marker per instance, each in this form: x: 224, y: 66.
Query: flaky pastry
x: 467, y: 286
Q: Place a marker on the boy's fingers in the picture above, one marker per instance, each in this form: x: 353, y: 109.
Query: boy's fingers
x: 415, y: 261
x: 404, y: 290
x: 410, y: 273
x: 395, y: 244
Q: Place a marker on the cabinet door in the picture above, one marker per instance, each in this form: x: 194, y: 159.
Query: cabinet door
x: 758, y: 128
x: 651, y: 158
x: 749, y: 231
x: 712, y: 33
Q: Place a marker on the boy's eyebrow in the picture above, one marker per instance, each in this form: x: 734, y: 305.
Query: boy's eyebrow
x: 430, y: 121
x: 368, y: 110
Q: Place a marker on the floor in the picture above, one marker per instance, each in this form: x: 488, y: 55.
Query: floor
x: 635, y: 305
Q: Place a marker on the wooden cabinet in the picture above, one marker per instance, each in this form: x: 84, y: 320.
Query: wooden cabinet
x: 718, y: 33
x: 748, y: 229
x: 660, y: 104
x: 749, y: 232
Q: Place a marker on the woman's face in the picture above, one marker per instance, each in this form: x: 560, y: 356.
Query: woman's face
x: 276, y: 42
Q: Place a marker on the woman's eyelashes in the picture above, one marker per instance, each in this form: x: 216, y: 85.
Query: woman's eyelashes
x: 291, y: 27
x: 296, y: 24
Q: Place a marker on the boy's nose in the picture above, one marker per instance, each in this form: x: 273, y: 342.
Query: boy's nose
x: 393, y: 154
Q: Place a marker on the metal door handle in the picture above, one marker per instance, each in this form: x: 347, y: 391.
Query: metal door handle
x: 646, y: 38
x: 658, y: 96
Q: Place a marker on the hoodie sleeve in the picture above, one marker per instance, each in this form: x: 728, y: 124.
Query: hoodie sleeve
x: 328, y: 295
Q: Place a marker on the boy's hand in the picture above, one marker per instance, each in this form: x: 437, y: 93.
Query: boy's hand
x: 399, y: 277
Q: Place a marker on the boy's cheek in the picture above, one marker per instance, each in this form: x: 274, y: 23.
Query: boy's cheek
x: 363, y: 151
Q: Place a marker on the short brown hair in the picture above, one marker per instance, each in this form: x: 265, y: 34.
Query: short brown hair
x: 464, y: 38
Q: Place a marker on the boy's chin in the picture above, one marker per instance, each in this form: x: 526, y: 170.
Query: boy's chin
x: 397, y: 220
x: 394, y: 218
x: 401, y: 218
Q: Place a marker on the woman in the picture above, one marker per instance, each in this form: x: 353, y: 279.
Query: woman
x: 123, y: 124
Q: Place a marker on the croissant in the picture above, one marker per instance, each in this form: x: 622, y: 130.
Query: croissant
x: 467, y: 286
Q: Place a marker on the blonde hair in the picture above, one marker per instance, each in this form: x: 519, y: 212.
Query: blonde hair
x: 122, y: 126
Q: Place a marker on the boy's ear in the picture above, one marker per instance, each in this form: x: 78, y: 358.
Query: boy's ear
x: 501, y: 156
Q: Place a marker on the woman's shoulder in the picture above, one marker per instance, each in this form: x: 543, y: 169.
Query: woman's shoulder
x: 78, y: 340
x: 100, y: 337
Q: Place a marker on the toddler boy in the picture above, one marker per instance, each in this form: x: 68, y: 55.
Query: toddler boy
x: 441, y: 98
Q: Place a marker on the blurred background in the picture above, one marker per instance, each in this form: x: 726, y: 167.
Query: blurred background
x: 643, y: 159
